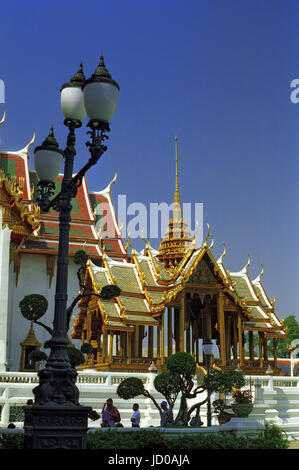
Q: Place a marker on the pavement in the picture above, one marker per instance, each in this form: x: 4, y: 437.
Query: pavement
x: 294, y: 445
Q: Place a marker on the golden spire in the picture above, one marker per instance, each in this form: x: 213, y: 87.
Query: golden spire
x: 177, y: 211
x: 177, y: 193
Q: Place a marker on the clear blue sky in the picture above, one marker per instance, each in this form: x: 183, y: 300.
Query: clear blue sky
x: 216, y: 73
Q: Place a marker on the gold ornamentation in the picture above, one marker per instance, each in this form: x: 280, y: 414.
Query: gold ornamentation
x: 3, y: 117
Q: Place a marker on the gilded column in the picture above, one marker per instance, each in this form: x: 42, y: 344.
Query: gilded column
x: 158, y: 343
x: 129, y: 347
x: 251, y: 346
x: 105, y: 346
x: 220, y: 320
x: 182, y: 323
x: 111, y: 348
x: 261, y: 340
x: 240, y: 338
x: 136, y: 341
x: 169, y: 331
x: 150, y: 342
x: 176, y: 329
x: 235, y: 337
x: 162, y: 339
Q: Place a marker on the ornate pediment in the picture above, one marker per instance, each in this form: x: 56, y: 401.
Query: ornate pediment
x: 203, y: 275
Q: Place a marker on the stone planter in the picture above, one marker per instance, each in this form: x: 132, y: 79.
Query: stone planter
x: 222, y: 419
x: 242, y: 410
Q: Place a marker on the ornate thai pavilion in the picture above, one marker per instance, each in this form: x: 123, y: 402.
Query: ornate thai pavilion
x: 170, y: 298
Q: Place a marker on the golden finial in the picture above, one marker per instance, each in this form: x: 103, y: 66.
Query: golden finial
x: 212, y: 243
x: 31, y: 141
x: 262, y: 272
x: 3, y: 118
x: 208, y: 234
x: 143, y: 238
x: 223, y: 254
x: 246, y: 266
x: 111, y: 182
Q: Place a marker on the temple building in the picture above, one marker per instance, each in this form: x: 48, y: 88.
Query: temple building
x: 170, y: 299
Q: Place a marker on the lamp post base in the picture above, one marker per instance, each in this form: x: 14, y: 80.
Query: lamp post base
x: 54, y: 426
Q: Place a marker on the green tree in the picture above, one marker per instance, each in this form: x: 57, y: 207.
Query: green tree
x: 293, y: 333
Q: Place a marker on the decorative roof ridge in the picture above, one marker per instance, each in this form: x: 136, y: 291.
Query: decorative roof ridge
x: 106, y: 191
x: 257, y: 280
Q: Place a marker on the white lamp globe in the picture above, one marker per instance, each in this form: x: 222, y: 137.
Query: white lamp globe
x: 100, y: 95
x: 48, y: 158
x: 71, y: 98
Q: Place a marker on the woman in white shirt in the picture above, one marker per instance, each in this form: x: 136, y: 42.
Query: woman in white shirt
x: 135, y: 419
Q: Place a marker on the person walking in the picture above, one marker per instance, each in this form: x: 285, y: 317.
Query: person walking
x: 166, y: 417
x: 110, y: 414
x: 135, y: 418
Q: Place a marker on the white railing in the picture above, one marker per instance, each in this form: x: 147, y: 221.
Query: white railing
x: 278, y: 396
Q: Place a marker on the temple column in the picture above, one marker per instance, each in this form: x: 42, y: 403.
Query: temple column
x: 111, y: 337
x: 158, y: 342
x: 162, y: 327
x: 176, y: 329
x: 99, y: 347
x: 105, y: 346
x: 188, y: 349
x: 169, y: 332
x: 240, y: 338
x: 207, y: 333
x: 129, y: 346
x: 122, y: 344
x: 141, y: 336
x: 220, y: 320
x: 150, y: 342
x: 182, y: 323
x: 235, y: 338
x: 265, y: 349
x: 261, y: 340
x: 251, y: 346
x: 136, y: 341
x: 228, y: 338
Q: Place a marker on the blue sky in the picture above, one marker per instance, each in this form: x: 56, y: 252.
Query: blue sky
x: 215, y: 73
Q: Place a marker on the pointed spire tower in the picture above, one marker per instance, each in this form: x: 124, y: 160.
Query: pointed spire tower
x: 177, y: 239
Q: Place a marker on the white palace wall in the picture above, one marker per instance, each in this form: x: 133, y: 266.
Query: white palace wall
x: 32, y: 279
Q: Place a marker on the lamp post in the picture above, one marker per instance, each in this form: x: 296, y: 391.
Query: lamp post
x: 207, y: 347
x: 56, y: 419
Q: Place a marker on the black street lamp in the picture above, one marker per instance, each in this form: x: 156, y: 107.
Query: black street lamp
x: 207, y: 347
x: 56, y: 419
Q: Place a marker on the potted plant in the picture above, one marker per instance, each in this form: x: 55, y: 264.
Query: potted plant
x: 242, y: 405
x: 219, y: 408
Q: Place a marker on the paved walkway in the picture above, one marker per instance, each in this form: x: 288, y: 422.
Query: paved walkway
x: 294, y: 445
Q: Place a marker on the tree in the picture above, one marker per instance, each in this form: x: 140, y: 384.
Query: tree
x: 293, y: 333
x: 34, y: 306
x: 133, y: 387
x: 182, y: 366
x: 169, y: 386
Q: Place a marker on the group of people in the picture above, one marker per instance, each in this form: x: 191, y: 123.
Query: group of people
x: 111, y: 416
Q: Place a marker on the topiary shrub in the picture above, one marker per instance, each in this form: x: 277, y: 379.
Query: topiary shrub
x: 130, y: 388
x: 33, y: 306
x: 76, y: 357
x: 109, y: 292
x: 81, y: 258
x: 38, y: 356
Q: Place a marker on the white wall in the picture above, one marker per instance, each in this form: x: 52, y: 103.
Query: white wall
x: 33, y: 279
